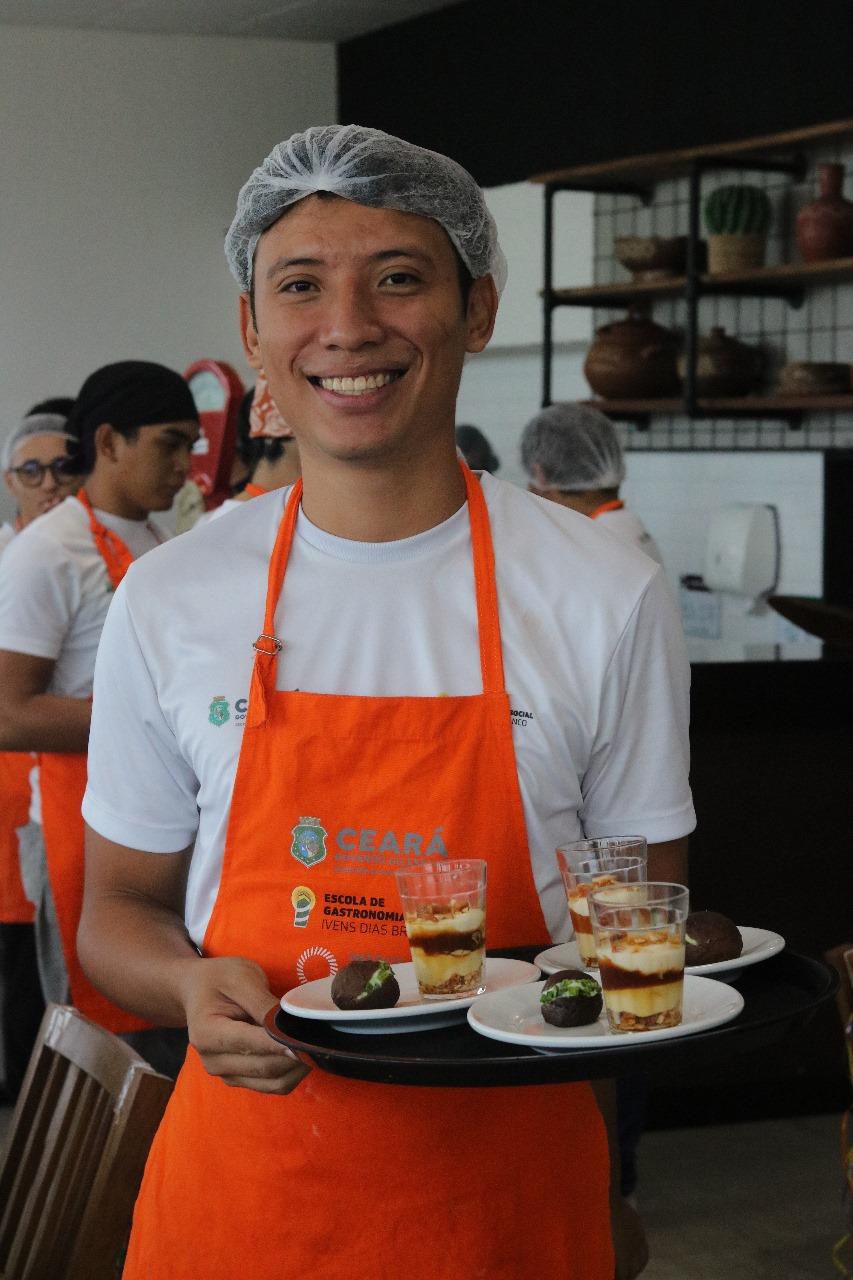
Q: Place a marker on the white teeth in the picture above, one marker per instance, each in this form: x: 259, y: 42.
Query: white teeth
x: 357, y: 386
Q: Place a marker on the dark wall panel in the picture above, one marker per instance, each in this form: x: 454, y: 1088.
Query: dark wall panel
x: 516, y: 87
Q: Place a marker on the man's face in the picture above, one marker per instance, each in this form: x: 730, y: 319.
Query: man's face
x: 154, y: 465
x: 361, y: 328
x: 33, y: 499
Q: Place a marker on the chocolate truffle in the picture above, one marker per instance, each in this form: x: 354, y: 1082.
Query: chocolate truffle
x: 570, y: 998
x: 710, y: 937
x: 365, y: 984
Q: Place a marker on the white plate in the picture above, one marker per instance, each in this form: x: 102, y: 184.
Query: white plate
x: 411, y: 1012
x: 758, y: 944
x: 514, y: 1017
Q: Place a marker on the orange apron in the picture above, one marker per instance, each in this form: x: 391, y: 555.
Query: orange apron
x: 344, y: 1178
x: 63, y: 785
x: 15, y: 770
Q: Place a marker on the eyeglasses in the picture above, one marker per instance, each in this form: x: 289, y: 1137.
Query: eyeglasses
x: 31, y: 473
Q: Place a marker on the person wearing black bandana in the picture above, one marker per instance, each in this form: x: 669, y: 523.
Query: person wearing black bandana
x: 135, y: 424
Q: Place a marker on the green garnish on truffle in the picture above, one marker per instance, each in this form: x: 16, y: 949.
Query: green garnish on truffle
x: 380, y: 974
x: 570, y: 987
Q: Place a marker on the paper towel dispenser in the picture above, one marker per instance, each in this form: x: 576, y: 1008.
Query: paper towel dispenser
x: 742, y: 553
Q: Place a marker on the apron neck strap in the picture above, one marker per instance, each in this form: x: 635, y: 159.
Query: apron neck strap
x: 112, y: 549
x: 615, y: 504
x: 268, y: 646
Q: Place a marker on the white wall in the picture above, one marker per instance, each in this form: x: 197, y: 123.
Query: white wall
x: 120, y: 162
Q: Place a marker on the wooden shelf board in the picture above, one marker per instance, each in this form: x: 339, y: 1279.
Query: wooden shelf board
x: 663, y: 164
x: 789, y: 273
x: 731, y: 406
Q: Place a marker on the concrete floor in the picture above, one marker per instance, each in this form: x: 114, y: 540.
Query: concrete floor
x: 737, y: 1202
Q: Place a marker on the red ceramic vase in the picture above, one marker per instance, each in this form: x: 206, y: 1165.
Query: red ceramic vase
x: 825, y: 227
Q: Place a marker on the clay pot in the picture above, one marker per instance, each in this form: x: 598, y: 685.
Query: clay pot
x: 632, y: 357
x: 825, y: 227
x: 724, y: 366
x: 815, y: 378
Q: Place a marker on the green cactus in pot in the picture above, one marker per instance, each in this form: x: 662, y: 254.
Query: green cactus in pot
x: 737, y: 219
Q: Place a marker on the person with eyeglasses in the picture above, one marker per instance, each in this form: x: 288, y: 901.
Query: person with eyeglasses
x: 35, y: 464
x: 36, y: 468
x: 134, y: 424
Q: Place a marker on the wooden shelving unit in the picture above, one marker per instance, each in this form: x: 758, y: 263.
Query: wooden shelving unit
x: 637, y: 176
x: 770, y: 406
x: 782, y: 281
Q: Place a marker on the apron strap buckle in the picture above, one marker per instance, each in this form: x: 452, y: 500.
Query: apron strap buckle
x: 274, y: 648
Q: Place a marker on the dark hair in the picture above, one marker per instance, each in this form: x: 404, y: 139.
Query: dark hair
x: 244, y: 446
x: 128, y: 394
x: 479, y: 454
x: 466, y: 280
x: 61, y: 405
x: 86, y: 455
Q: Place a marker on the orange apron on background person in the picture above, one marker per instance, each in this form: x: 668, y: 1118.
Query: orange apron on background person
x: 15, y: 770
x: 340, y: 1177
x: 63, y: 785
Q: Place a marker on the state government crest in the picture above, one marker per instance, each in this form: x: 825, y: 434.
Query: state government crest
x: 309, y: 842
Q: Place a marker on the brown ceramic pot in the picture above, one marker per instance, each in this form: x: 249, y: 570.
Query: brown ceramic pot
x: 724, y: 366
x: 632, y: 357
x: 825, y: 227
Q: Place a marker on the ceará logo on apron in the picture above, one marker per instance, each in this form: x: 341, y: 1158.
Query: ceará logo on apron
x: 366, y: 848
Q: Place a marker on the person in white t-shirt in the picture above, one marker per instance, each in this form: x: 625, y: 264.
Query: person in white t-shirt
x: 134, y: 424
x: 338, y: 681
x: 35, y: 464
x: 573, y: 456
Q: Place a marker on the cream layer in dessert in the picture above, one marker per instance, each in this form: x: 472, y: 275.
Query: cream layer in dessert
x: 579, y: 912
x: 448, y: 950
x: 642, y: 977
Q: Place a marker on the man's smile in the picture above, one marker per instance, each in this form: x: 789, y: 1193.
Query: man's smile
x: 361, y: 384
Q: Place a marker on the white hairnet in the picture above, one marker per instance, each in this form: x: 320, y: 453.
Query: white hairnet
x: 38, y: 424
x: 371, y: 168
x: 576, y: 446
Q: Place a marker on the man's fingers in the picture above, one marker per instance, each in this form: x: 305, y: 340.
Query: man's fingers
x: 278, y: 1085
x: 220, y: 1035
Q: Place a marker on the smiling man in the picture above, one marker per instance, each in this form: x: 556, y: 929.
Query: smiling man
x: 396, y: 660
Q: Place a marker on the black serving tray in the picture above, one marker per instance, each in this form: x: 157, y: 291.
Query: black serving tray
x: 780, y: 995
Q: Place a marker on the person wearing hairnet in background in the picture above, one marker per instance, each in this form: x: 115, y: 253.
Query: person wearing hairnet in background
x: 573, y: 456
x: 37, y: 471
x: 134, y: 424
x: 309, y: 695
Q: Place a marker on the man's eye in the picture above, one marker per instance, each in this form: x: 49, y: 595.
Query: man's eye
x: 297, y: 286
x: 401, y: 278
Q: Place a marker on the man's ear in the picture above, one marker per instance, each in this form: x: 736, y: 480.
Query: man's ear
x: 105, y: 440
x: 481, y: 313
x: 249, y: 333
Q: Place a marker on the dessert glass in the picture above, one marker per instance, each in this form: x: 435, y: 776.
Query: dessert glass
x: 444, y: 907
x: 639, y: 936
x: 587, y: 865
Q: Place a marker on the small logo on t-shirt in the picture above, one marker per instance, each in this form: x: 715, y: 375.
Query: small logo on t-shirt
x: 218, y: 712
x: 521, y: 719
x: 309, y: 842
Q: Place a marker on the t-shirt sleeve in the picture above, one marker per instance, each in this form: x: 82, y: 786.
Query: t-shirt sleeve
x: 39, y: 594
x: 141, y: 791
x: 637, y: 779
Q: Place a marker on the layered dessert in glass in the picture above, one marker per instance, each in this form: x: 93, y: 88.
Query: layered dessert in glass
x: 444, y: 908
x: 639, y: 937
x: 590, y: 865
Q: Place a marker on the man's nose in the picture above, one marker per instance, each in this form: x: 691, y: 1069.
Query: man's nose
x: 352, y: 320
x: 49, y: 481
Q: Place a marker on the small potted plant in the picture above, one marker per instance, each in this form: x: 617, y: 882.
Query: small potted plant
x: 737, y: 218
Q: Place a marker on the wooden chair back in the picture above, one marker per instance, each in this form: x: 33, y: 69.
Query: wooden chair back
x: 75, y: 1153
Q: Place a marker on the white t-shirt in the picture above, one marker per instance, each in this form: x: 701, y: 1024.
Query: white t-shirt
x: 623, y: 524
x: 55, y: 591
x: 54, y: 596
x: 594, y: 658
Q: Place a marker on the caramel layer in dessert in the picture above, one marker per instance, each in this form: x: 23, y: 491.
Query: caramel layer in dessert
x: 448, y: 950
x: 642, y: 976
